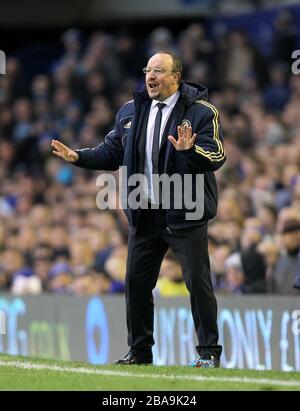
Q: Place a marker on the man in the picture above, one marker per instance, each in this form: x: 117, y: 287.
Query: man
x: 285, y: 271
x: 153, y: 135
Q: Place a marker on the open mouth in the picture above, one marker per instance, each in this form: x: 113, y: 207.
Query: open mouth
x: 153, y: 86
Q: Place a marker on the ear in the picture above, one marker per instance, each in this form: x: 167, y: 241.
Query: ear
x: 177, y: 76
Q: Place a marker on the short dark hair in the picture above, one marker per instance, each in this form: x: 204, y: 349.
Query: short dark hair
x: 177, y: 62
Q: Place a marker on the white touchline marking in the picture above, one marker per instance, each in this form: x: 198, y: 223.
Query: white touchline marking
x: 82, y: 370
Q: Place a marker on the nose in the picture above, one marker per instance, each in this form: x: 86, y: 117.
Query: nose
x: 150, y: 79
x: 151, y: 74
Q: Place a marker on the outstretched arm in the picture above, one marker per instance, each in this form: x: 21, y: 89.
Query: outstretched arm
x: 107, y: 156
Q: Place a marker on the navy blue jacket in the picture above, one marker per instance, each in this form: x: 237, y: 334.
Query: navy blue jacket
x: 120, y: 148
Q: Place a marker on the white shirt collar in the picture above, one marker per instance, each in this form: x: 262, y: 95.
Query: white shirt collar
x: 170, y: 101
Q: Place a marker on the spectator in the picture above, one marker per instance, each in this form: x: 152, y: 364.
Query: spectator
x: 25, y: 282
x: 170, y: 282
x: 60, y: 278
x: 234, y: 276
x: 286, y: 267
x: 270, y: 252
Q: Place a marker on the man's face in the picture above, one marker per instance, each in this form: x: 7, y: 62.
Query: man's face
x: 291, y: 241
x: 162, y: 85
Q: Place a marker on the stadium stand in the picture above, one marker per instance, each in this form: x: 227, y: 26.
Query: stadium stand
x: 52, y: 236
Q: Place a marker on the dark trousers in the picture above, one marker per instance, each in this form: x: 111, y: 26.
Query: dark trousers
x: 146, y: 250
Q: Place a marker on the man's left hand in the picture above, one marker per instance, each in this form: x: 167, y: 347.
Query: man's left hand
x: 185, y: 138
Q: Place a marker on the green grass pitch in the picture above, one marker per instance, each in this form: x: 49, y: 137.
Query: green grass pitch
x: 23, y: 373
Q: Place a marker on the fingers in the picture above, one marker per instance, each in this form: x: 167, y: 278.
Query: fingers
x: 55, y: 144
x: 59, y: 146
x: 184, y: 132
x: 173, y: 140
x: 62, y: 151
x: 181, y: 132
x: 57, y: 153
x: 61, y: 154
x: 185, y: 138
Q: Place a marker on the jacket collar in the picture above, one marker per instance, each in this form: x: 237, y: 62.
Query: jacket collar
x: 190, y: 92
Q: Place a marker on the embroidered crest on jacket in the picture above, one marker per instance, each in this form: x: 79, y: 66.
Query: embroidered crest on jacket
x: 185, y: 123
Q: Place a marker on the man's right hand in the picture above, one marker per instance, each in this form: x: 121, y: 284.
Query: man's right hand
x: 62, y: 151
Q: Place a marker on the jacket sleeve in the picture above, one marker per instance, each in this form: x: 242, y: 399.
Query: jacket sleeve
x: 108, y: 155
x: 208, y: 153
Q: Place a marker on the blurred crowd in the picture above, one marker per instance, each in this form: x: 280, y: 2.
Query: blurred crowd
x: 53, y: 238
